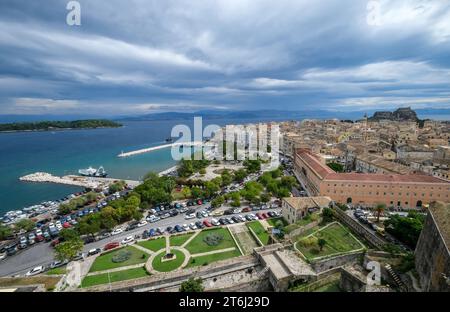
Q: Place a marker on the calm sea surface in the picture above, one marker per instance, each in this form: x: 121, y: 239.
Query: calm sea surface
x: 64, y: 152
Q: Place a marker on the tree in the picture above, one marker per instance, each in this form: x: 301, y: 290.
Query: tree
x: 321, y: 243
x: 226, y: 178
x: 25, y: 224
x: 380, y: 209
x: 117, y: 187
x: 196, y: 192
x: 252, y: 166
x: 217, y: 202
x: 327, y: 215
x: 192, y: 285
x: 5, y: 231
x: 265, y: 198
x: 240, y: 175
x: 406, y: 229
x: 336, y: 167
x: 68, y: 249
x: 109, y: 217
x: 68, y: 234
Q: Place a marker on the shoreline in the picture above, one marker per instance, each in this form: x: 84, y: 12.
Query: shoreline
x: 58, y: 129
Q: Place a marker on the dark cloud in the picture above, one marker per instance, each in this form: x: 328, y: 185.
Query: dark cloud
x: 133, y: 56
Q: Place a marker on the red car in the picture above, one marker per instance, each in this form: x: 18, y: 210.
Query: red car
x: 111, y: 245
x: 66, y: 225
x: 259, y: 215
x: 246, y: 209
x: 55, y: 242
x: 199, y: 202
x: 207, y: 223
x: 265, y: 215
x: 39, y: 238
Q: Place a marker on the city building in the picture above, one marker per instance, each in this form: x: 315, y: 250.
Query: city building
x: 400, y: 190
x: 296, y: 208
x: 432, y: 255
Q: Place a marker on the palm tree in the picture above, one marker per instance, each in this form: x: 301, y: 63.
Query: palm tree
x: 380, y: 209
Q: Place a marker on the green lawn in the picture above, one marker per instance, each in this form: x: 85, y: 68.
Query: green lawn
x: 57, y: 271
x: 259, y: 230
x: 168, y: 266
x: 114, y: 277
x: 205, y: 260
x: 104, y: 262
x: 198, y: 245
x: 338, y: 240
x: 154, y: 244
x: 178, y: 240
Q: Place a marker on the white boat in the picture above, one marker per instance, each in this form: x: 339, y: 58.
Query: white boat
x: 92, y: 172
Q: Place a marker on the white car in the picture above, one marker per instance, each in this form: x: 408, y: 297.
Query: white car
x: 127, y: 240
x: 38, y: 232
x: 117, y: 231
x: 142, y: 223
x: 35, y: 271
x: 190, y: 216
x: 215, y: 222
x: 2, y: 255
x: 185, y: 227
x: 192, y: 226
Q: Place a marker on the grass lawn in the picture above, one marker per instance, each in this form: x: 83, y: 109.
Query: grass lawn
x: 259, y: 230
x: 198, y: 245
x: 168, y: 266
x: 104, y: 262
x: 49, y: 281
x: 114, y: 277
x: 57, y: 271
x: 205, y: 260
x: 273, y: 221
x: 338, y: 240
x: 178, y: 240
x: 154, y: 244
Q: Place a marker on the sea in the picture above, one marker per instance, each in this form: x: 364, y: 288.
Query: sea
x: 64, y: 152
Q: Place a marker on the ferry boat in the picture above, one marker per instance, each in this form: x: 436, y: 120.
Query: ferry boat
x: 92, y: 172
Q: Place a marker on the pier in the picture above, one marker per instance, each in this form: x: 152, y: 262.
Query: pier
x: 150, y: 149
x: 86, y: 182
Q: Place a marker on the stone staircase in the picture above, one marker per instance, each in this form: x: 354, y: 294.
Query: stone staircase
x: 395, y: 277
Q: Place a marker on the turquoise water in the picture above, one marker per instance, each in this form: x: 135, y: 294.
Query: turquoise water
x: 64, y: 152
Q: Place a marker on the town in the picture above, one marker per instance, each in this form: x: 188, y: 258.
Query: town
x: 350, y: 205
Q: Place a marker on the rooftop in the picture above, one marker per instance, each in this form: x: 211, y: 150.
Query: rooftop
x: 307, y: 202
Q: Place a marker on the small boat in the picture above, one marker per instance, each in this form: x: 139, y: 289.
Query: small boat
x: 92, y: 172
x: 169, y: 140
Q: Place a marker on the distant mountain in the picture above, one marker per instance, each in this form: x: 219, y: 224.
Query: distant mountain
x: 236, y: 114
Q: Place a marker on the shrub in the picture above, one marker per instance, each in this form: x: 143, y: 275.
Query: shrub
x: 121, y: 256
x: 213, y: 239
x: 309, y: 241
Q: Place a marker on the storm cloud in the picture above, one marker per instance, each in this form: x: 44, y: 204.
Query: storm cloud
x: 140, y: 56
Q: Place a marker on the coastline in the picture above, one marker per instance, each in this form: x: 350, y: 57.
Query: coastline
x: 58, y: 129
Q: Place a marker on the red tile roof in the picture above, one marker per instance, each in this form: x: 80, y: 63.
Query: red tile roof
x: 326, y: 173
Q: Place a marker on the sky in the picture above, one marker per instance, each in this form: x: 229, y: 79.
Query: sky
x: 145, y: 56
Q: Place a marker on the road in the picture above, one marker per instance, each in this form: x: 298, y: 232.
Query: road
x: 43, y: 254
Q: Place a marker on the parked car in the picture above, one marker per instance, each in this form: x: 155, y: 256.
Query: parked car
x: 185, y: 227
x: 215, y: 222
x: 248, y: 217
x: 142, y: 223
x: 128, y: 240
x: 178, y: 228
x: 230, y: 221
x: 93, y: 251
x: 207, y: 223
x: 111, y: 245
x: 190, y: 216
x: 2, y: 255
x: 57, y: 264
x: 199, y: 225
x: 117, y: 231
x: 35, y: 271
x: 246, y: 209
